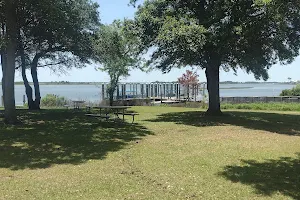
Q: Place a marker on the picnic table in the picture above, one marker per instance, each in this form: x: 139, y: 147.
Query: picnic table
x: 77, y: 104
x: 105, y: 111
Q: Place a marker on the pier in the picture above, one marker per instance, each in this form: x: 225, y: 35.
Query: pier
x: 155, y: 91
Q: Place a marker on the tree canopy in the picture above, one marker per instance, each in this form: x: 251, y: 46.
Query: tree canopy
x: 115, y: 50
x: 41, y: 33
x: 56, y: 34
x: 219, y: 34
x: 189, y: 80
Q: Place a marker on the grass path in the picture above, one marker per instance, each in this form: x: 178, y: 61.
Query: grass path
x: 171, y: 153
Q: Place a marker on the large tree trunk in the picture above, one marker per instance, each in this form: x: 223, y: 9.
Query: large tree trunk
x: 111, y: 91
x: 3, y: 64
x: 9, y: 83
x: 213, y: 86
x: 36, y: 85
x: 28, y: 88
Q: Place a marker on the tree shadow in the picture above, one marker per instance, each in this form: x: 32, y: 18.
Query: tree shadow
x: 51, y: 137
x: 268, y: 177
x: 272, y: 122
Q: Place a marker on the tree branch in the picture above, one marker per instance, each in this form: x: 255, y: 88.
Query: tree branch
x: 52, y: 64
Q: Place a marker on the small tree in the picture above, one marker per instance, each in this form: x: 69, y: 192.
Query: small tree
x: 115, y: 50
x: 189, y: 80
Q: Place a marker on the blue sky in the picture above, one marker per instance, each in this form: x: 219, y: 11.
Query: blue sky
x: 119, y: 9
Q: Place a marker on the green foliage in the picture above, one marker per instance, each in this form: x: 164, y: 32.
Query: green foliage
x: 51, y: 100
x: 115, y: 50
x: 295, y: 91
x: 44, y: 39
x: 246, y: 34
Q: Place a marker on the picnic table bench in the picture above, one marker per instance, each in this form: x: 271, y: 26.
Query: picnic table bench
x: 116, y: 110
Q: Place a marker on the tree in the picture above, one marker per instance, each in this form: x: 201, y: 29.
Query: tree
x: 219, y: 34
x: 190, y: 80
x: 295, y: 91
x: 8, y: 59
x: 44, y: 43
x: 116, y: 51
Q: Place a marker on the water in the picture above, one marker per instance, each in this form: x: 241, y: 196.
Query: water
x: 93, y: 92
x: 253, y: 90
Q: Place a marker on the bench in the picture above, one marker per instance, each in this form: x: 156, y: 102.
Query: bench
x: 127, y: 114
x: 98, y: 116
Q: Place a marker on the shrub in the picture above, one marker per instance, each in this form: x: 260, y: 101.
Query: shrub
x: 51, y: 100
x: 295, y: 91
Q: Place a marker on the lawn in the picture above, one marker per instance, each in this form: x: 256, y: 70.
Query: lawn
x: 170, y: 153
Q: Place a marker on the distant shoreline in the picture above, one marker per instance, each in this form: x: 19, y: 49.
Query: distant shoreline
x: 99, y: 83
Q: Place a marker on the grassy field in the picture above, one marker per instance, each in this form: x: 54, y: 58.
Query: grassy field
x: 170, y: 153
x: 263, y: 106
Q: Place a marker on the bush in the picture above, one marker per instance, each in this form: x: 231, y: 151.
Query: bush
x: 51, y: 100
x: 295, y: 91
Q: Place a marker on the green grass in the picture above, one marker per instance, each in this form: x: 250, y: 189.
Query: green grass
x: 271, y: 106
x: 170, y: 153
x: 263, y: 106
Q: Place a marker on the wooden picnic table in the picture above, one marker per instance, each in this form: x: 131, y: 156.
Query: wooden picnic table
x: 104, y: 111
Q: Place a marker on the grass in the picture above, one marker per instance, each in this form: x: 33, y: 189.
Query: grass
x: 263, y: 106
x: 170, y: 153
x: 271, y: 106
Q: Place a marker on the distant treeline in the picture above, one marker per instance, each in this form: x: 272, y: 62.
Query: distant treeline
x: 60, y: 83
x: 93, y: 83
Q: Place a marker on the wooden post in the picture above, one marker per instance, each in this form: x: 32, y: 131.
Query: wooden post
x: 164, y: 90
x: 103, y: 92
x: 147, y: 91
x: 178, y: 90
x: 118, y: 92
x: 24, y: 100
x: 142, y: 90
x: 161, y: 98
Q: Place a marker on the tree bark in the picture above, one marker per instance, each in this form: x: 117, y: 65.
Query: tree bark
x: 3, y: 61
x: 28, y: 88
x: 213, y: 86
x: 111, y: 97
x: 111, y: 91
x: 3, y: 64
x: 9, y: 83
x: 36, y: 85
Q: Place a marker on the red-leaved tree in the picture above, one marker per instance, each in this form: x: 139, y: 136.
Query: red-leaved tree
x: 189, y: 80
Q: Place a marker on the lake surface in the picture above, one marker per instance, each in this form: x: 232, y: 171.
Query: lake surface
x: 93, y: 92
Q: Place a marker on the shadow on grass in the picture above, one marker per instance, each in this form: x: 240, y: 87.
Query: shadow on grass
x: 273, y: 122
x: 268, y: 177
x: 62, y: 137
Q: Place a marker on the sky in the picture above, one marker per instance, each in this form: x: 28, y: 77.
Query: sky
x: 119, y: 9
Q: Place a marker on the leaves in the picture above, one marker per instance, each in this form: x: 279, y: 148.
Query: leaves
x: 252, y: 35
x: 189, y: 78
x: 52, y: 28
x: 116, y: 50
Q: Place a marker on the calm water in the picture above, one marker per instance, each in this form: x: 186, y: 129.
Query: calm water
x: 93, y: 92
